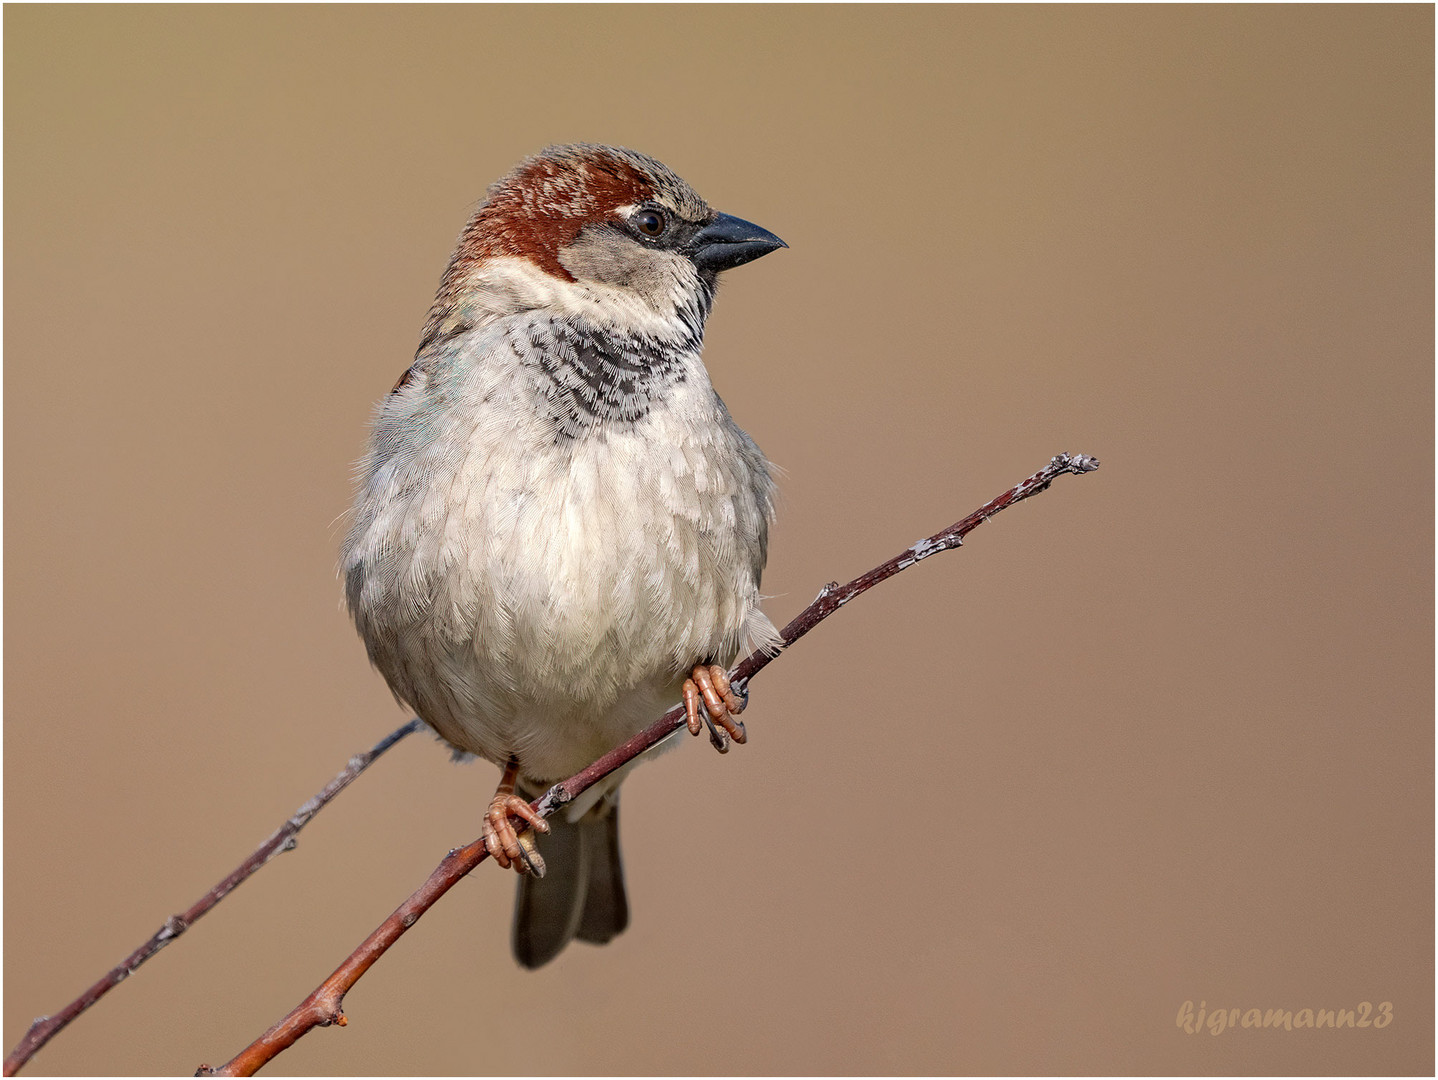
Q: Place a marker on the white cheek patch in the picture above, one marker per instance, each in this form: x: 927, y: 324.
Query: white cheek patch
x: 515, y: 284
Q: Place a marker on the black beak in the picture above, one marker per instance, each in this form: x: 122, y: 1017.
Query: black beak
x: 727, y: 242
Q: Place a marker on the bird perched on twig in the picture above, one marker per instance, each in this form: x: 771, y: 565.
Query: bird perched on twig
x: 559, y: 529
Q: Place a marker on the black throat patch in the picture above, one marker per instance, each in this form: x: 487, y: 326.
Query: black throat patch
x: 589, y: 376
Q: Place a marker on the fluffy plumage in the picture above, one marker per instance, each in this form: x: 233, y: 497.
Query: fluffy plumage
x: 557, y: 517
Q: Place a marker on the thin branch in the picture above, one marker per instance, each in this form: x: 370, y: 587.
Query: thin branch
x: 281, y: 840
x: 324, y: 1006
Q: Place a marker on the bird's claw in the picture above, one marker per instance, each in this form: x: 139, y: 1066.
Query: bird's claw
x: 504, y: 845
x: 708, y: 686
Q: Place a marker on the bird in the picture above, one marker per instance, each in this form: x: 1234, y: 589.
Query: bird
x: 559, y: 530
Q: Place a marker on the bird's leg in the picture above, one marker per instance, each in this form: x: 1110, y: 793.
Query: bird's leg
x: 500, y: 840
x: 709, y: 684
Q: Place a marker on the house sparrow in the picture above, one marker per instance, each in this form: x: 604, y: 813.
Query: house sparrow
x: 560, y: 530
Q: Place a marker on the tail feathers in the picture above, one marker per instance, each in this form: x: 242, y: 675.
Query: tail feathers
x: 606, y: 908
x: 582, y: 892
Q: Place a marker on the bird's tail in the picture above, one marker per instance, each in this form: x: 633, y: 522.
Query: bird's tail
x: 582, y: 892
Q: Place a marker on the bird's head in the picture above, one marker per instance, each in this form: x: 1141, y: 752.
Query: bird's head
x: 598, y: 233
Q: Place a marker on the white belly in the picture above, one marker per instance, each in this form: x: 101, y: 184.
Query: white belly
x: 545, y: 597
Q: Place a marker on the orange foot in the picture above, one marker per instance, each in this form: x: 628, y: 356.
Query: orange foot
x: 506, y: 846
x: 710, y: 682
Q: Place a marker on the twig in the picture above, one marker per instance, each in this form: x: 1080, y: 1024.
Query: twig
x: 324, y: 1006
x: 281, y: 840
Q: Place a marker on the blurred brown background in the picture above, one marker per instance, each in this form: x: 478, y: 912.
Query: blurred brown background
x: 1164, y: 733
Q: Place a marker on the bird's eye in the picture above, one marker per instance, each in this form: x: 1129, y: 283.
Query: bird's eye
x: 650, y: 222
